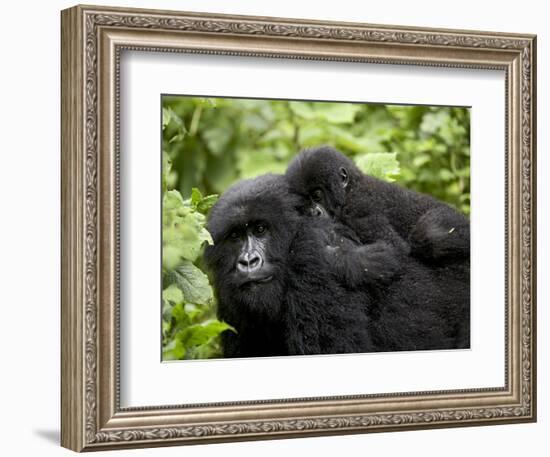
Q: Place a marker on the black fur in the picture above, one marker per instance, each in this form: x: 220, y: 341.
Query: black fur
x: 306, y: 308
x: 328, y: 294
x: 377, y: 210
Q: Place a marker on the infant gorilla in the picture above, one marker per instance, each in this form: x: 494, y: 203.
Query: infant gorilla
x: 330, y: 183
x: 292, y: 284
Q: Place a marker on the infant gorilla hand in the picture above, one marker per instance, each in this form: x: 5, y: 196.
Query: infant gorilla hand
x: 380, y: 260
x: 358, y: 265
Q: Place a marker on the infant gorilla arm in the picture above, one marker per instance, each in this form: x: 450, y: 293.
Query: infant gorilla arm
x: 352, y: 263
x: 329, y: 183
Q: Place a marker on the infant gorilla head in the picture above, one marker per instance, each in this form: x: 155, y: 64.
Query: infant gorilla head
x: 320, y: 177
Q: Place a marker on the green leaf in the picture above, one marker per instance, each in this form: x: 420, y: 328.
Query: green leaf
x: 196, y: 196
x: 192, y: 311
x: 207, y: 102
x: 172, y: 294
x: 433, y: 121
x: 180, y: 316
x: 332, y: 113
x: 199, y: 334
x: 171, y: 256
x: 166, y: 327
x: 446, y: 175
x: 254, y: 163
x: 177, y: 138
x: 421, y: 160
x: 166, y: 116
x: 181, y: 243
x: 172, y: 126
x: 173, y: 200
x: 336, y: 113
x: 344, y: 139
x: 382, y: 165
x: 206, y: 203
x: 217, y: 138
x: 192, y: 282
x: 174, y: 350
x: 166, y: 168
x: 166, y: 310
x: 211, y: 350
x: 302, y: 109
x: 183, y: 231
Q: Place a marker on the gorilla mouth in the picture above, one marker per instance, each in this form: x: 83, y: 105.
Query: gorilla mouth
x: 256, y: 280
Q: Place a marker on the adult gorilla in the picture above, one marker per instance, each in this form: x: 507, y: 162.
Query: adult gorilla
x: 299, y: 285
x: 271, y: 277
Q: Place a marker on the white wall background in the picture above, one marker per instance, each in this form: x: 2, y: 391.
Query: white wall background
x: 29, y: 227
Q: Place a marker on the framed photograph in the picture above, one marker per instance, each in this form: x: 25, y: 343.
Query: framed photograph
x: 275, y: 228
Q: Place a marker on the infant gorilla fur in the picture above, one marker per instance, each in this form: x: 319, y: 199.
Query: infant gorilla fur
x: 330, y: 183
x: 291, y: 284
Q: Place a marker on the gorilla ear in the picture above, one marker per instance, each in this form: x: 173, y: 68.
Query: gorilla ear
x: 344, y: 177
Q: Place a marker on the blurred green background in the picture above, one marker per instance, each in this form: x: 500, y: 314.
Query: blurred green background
x: 213, y: 143
x: 209, y: 144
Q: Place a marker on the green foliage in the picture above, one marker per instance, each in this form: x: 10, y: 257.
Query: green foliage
x: 433, y: 148
x: 213, y: 143
x: 189, y: 327
x: 209, y: 144
x: 383, y: 165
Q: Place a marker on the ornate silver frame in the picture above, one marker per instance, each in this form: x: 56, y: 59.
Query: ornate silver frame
x: 92, y: 40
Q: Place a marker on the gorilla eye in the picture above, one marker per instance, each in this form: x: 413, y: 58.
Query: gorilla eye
x: 260, y: 228
x: 317, y: 195
x: 234, y: 234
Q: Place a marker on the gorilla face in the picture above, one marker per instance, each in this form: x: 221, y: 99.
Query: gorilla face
x: 250, y: 241
x: 320, y: 177
x: 252, y: 225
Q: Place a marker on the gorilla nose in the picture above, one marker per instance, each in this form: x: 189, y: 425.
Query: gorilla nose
x: 249, y: 262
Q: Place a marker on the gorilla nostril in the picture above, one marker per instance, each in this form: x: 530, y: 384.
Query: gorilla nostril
x: 254, y: 262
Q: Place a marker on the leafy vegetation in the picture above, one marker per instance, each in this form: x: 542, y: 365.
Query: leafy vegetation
x: 209, y: 144
x: 189, y: 325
